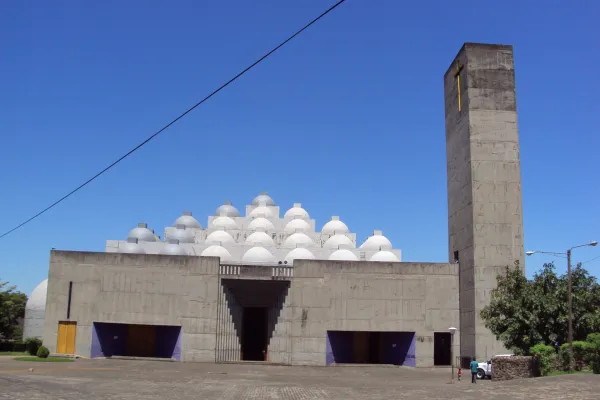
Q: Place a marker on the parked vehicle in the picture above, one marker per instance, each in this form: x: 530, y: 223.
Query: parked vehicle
x: 484, y: 369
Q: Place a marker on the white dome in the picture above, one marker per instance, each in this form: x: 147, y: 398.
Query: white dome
x: 297, y: 225
x: 343, y: 255
x: 227, y: 209
x: 219, y: 237
x: 263, y: 199
x: 384, y: 255
x: 335, y: 226
x: 296, y: 212
x: 131, y: 247
x: 37, y: 300
x: 217, y: 251
x: 260, y: 239
x: 224, y: 222
x: 296, y: 239
x: 376, y: 242
x: 299, y: 254
x: 336, y: 241
x: 142, y: 233
x: 187, y: 220
x: 261, y: 223
x: 258, y: 255
x: 173, y: 249
x: 261, y: 211
x: 181, y: 234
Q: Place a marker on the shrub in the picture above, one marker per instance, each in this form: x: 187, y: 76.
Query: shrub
x: 32, y: 345
x: 43, y: 352
x: 545, y: 355
x: 593, y: 340
x: 581, y: 354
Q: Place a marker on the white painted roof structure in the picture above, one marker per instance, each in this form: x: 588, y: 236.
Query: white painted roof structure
x: 261, y: 236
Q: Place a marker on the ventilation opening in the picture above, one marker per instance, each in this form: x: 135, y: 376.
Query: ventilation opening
x: 456, y: 256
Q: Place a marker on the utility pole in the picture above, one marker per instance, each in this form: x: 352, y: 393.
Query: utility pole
x: 570, y: 300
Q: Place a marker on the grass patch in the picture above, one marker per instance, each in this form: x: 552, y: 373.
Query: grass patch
x: 557, y: 373
x: 12, y: 353
x: 38, y: 359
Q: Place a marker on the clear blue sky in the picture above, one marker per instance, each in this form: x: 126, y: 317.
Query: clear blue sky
x: 347, y: 119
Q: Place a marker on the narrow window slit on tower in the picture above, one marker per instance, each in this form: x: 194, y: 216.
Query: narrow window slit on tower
x: 69, y: 300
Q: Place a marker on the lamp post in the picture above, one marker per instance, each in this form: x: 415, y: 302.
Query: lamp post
x: 569, y: 291
x: 452, y: 331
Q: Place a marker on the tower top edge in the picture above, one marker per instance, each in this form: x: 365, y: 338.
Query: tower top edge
x: 472, y: 45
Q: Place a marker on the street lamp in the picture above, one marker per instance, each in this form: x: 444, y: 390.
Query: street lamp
x: 452, y: 332
x: 569, y: 290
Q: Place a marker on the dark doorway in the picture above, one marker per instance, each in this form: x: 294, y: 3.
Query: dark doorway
x: 442, y: 348
x: 255, y: 333
x: 135, y: 340
x: 363, y: 347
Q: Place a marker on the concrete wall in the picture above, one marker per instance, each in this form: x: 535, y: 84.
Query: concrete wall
x: 485, y: 221
x: 138, y: 289
x: 371, y: 296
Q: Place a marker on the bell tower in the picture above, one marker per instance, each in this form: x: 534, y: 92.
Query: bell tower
x: 485, y: 218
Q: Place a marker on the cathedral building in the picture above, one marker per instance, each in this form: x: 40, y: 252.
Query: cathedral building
x: 268, y: 286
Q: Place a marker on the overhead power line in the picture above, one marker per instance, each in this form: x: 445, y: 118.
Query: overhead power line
x: 164, y: 128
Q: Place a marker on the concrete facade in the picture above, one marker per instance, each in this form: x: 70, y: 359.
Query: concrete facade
x: 204, y: 299
x: 485, y: 218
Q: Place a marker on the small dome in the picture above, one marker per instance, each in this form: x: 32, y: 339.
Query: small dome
x: 260, y: 239
x: 263, y: 199
x: 187, y: 220
x: 296, y: 239
x: 299, y: 254
x: 297, y: 225
x: 258, y: 255
x: 343, y: 255
x: 220, y: 238
x: 335, y: 226
x: 227, y: 210
x: 37, y: 300
x: 132, y: 247
x: 172, y: 248
x: 181, y: 234
x: 217, y: 251
x: 385, y: 256
x: 261, y: 211
x: 142, y: 233
x: 296, y: 212
x: 261, y: 223
x: 336, y: 241
x: 224, y: 222
x: 376, y: 242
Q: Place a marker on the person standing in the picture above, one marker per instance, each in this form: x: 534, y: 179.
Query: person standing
x: 474, y: 365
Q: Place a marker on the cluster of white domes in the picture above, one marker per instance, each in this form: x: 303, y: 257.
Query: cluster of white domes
x: 260, y: 236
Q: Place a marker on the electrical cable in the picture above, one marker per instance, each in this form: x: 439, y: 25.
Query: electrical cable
x: 175, y: 120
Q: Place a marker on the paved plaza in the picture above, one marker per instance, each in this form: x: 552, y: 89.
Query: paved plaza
x: 156, y: 380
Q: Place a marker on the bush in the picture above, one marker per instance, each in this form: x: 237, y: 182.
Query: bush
x: 32, y: 345
x: 581, y: 354
x: 593, y: 340
x: 43, y: 352
x: 545, y: 355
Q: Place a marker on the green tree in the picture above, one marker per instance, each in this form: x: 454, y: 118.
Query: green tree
x: 523, y: 313
x: 12, y: 307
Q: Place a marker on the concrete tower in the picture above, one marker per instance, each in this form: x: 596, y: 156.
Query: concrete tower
x: 485, y: 219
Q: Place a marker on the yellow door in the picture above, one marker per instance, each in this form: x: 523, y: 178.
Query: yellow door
x: 67, y: 331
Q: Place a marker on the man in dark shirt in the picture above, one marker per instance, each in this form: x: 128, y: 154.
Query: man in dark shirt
x: 474, y: 365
